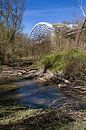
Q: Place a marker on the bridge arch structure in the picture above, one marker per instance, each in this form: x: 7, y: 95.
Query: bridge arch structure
x: 41, y: 31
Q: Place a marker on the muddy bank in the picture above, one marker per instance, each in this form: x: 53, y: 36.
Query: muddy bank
x: 11, y: 74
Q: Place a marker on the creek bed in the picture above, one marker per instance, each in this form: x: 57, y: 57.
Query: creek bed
x: 33, y: 95
x: 19, y: 100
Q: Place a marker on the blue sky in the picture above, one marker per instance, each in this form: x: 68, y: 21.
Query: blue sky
x: 52, y: 11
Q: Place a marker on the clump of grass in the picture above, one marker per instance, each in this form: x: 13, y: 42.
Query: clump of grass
x: 72, y: 63
x: 53, y: 62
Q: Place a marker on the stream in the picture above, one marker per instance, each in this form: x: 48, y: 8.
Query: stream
x: 33, y: 95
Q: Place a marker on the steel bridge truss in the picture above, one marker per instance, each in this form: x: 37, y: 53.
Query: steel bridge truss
x: 41, y: 31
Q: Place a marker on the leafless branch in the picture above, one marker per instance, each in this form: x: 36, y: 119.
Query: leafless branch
x: 83, y: 24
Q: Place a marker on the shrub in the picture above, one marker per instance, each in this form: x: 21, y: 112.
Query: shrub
x: 72, y: 63
x: 75, y: 66
x: 53, y: 62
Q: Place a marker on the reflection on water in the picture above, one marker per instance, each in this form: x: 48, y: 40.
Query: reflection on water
x: 34, y: 95
x: 38, y: 96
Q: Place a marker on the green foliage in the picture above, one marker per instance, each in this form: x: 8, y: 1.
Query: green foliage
x: 75, y: 64
x: 72, y: 62
x: 54, y: 61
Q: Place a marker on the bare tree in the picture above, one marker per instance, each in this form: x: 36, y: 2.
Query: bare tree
x: 11, y: 14
x: 83, y: 24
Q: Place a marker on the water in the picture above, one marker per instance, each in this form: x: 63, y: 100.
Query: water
x: 35, y: 95
x: 39, y: 96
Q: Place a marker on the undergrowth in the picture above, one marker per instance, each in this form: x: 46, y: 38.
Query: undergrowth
x: 71, y: 63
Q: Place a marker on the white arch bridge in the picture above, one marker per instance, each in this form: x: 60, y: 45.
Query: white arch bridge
x: 41, y: 31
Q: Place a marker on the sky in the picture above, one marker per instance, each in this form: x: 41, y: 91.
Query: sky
x: 51, y: 11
